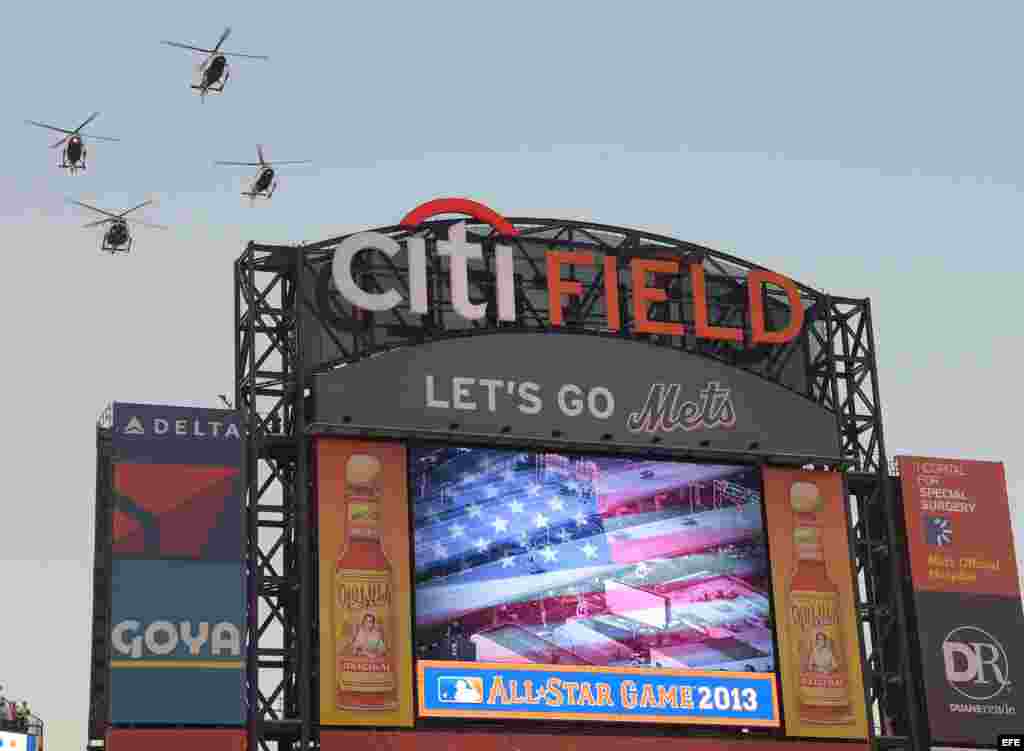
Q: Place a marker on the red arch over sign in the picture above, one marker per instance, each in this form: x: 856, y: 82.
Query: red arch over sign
x: 458, y: 206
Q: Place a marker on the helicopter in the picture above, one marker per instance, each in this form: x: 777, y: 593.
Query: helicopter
x: 117, y: 239
x: 215, y: 66
x: 73, y: 155
x: 264, y: 184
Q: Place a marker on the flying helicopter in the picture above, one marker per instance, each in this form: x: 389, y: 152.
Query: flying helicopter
x: 264, y: 184
x: 215, y: 66
x: 117, y: 238
x: 73, y: 155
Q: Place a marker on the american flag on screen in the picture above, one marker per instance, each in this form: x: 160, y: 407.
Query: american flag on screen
x: 497, y: 532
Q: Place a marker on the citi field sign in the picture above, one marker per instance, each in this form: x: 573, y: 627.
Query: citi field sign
x: 460, y: 252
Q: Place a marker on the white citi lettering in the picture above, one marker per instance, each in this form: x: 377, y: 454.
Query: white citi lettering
x: 458, y: 251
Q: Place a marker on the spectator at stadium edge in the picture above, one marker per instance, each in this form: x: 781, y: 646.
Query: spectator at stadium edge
x: 10, y: 714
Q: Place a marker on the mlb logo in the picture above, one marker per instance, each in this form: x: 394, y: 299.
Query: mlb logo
x: 938, y: 530
x: 460, y: 690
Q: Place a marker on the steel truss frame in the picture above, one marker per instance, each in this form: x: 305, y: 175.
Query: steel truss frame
x: 276, y: 301
x: 99, y: 673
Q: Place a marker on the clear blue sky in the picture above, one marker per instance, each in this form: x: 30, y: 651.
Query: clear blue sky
x: 869, y: 150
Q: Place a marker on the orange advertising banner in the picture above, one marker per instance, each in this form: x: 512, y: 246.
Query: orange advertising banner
x: 812, y: 582
x: 958, y: 526
x: 365, y: 591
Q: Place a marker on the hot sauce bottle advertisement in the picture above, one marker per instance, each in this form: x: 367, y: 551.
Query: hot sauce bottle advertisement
x: 819, y: 656
x: 365, y: 639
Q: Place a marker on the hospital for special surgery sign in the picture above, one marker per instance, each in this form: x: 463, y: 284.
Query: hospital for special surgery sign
x: 967, y: 597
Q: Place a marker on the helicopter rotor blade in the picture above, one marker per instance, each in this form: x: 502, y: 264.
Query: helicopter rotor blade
x: 239, y: 54
x: 50, y: 127
x: 134, y: 208
x: 227, y: 32
x: 239, y: 164
x: 146, y: 224
x: 100, y: 138
x: 61, y: 142
x: 303, y: 161
x: 91, y: 118
x: 93, y: 208
x: 179, y: 45
x: 259, y: 151
x: 97, y: 223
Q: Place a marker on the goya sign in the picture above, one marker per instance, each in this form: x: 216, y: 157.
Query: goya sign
x: 460, y: 252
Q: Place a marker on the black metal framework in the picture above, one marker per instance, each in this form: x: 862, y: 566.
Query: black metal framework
x: 99, y: 673
x: 288, y: 327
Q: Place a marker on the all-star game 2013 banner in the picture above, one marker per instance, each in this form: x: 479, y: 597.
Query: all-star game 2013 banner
x: 178, y: 574
x: 967, y: 596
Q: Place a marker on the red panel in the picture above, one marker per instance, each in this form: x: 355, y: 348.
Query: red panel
x: 128, y: 533
x: 185, y: 500
x: 958, y: 526
x: 175, y: 740
x: 159, y: 488
x: 331, y: 740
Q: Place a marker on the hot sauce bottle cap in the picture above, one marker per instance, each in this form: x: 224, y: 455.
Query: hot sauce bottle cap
x: 805, y: 498
x: 806, y: 501
x: 362, y: 470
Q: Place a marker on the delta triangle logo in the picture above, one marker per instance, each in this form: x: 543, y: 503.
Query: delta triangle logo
x: 134, y: 427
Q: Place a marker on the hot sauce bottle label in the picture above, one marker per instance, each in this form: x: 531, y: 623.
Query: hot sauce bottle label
x: 814, y: 622
x: 364, y: 627
x: 363, y: 520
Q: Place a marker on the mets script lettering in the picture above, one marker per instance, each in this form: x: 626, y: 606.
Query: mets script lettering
x: 666, y: 410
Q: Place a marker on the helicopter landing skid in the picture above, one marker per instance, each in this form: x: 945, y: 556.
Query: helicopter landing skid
x: 262, y: 194
x: 114, y: 249
x: 215, y: 89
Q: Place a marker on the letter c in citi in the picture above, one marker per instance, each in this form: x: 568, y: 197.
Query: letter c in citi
x: 341, y: 268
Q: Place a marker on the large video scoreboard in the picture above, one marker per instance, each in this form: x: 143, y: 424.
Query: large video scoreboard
x: 485, y: 583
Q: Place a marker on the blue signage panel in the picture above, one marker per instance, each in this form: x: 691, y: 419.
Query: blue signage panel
x: 177, y: 642
x: 494, y: 690
x: 178, y: 594
x: 149, y: 433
